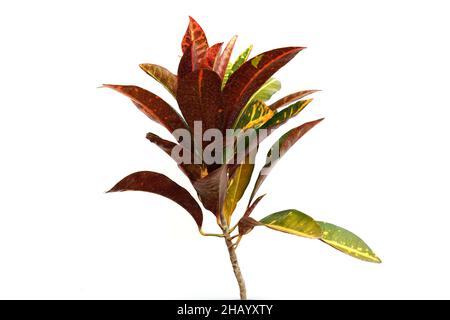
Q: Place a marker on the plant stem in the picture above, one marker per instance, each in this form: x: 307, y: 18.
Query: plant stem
x: 235, y: 264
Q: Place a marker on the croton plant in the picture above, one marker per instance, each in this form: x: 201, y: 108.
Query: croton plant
x: 225, y: 115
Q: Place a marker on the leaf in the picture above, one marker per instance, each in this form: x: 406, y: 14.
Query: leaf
x: 188, y: 62
x: 237, y: 185
x: 192, y: 171
x: 245, y: 225
x: 290, y: 98
x: 199, y: 97
x: 284, y: 115
x: 253, y: 116
x: 222, y: 63
x: 347, y: 242
x: 283, y: 145
x: 294, y: 222
x: 162, y: 75
x: 212, y: 189
x: 212, y: 54
x: 232, y: 67
x: 160, y: 184
x: 243, y: 83
x: 195, y: 37
x: 152, y: 106
x: 250, y: 209
x: 267, y: 90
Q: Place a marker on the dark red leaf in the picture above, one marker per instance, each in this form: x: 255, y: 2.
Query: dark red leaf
x: 160, y: 184
x: 153, y: 106
x: 290, y: 98
x: 212, y: 189
x: 252, y: 207
x: 250, y: 77
x: 246, y: 224
x: 192, y: 171
x: 284, y: 144
x: 188, y: 63
x: 199, y: 98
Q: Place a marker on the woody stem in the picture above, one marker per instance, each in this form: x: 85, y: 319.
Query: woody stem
x: 235, y: 264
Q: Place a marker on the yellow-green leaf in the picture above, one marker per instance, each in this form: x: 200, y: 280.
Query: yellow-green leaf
x: 162, y: 75
x: 253, y: 116
x: 347, y: 242
x: 294, y: 222
x: 232, y: 67
x: 236, y: 187
x: 284, y: 115
x: 266, y: 91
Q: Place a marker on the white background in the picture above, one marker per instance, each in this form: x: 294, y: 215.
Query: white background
x: 378, y: 165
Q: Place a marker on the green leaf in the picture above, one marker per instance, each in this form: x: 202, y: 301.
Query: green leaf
x: 294, y: 222
x: 236, y: 187
x: 253, y: 116
x: 162, y: 75
x: 347, y: 242
x: 232, y: 67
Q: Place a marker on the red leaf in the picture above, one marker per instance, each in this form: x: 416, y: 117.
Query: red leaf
x: 285, y: 143
x: 199, y: 97
x: 245, y: 225
x: 290, y: 98
x: 212, y: 189
x: 196, y: 37
x: 192, y: 171
x: 250, y: 77
x: 211, y: 56
x: 221, y: 64
x: 160, y: 184
x: 188, y: 63
x: 152, y: 106
x: 250, y: 209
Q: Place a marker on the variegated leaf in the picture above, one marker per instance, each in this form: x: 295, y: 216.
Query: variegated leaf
x: 267, y: 90
x: 162, y: 75
x: 284, y: 115
x: 253, y: 116
x: 196, y: 37
x: 347, y: 242
x: 222, y: 62
x: 212, y: 54
x: 232, y: 67
x: 294, y: 222
x: 237, y: 185
x: 243, y: 83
